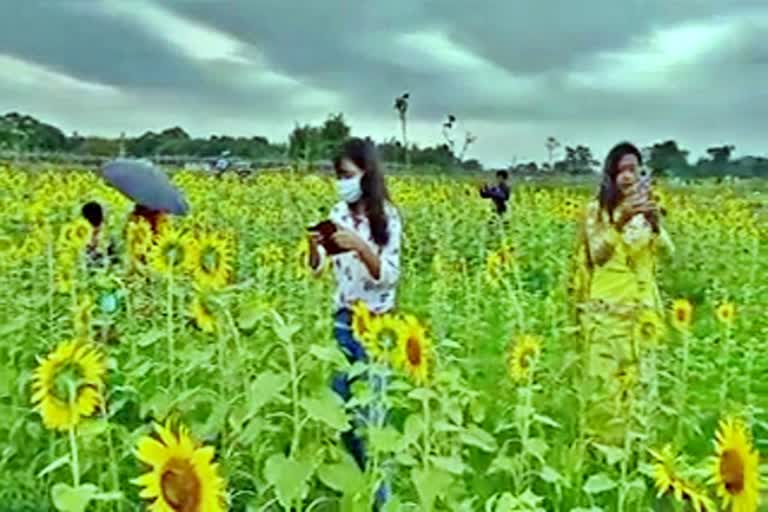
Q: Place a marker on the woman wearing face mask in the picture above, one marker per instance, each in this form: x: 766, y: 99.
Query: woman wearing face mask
x: 368, y: 232
x: 616, y: 295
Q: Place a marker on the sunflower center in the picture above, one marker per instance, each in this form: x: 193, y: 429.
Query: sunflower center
x: 413, y: 349
x: 525, y: 358
x: 180, y: 486
x: 66, y: 382
x: 681, y: 315
x: 732, y: 471
x: 648, y: 329
x: 174, y: 254
x: 210, y: 260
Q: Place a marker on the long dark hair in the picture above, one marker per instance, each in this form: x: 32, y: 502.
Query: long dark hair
x: 609, y: 195
x: 362, y: 152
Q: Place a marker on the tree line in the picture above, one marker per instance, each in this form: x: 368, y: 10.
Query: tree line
x: 309, y: 143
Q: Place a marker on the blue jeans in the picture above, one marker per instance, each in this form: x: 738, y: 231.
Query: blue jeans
x: 341, y: 384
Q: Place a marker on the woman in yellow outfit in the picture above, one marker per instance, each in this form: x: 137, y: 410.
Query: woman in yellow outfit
x: 616, y: 296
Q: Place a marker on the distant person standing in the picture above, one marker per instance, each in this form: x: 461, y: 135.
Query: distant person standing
x: 498, y: 193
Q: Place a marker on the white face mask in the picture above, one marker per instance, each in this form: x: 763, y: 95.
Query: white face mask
x: 350, y: 189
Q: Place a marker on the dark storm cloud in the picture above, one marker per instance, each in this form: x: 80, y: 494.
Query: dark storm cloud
x: 522, y: 63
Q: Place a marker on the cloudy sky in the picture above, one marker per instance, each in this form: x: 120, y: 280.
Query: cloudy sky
x: 513, y: 71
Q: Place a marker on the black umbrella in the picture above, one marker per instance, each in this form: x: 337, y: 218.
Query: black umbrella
x: 146, y: 185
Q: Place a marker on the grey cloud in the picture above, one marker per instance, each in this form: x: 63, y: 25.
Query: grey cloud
x: 347, y: 47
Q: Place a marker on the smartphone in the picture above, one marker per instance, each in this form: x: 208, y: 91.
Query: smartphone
x: 326, y: 229
x: 644, y: 183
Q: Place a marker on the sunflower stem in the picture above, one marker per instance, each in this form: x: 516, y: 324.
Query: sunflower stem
x: 683, y: 386
x: 171, y: 348
x: 75, y: 462
x: 294, y: 396
x: 427, y: 432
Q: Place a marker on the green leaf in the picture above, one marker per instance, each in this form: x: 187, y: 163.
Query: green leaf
x: 286, y: 332
x: 344, y: 477
x: 537, y: 447
x: 422, y: 394
x: 479, y: 438
x: 150, y: 338
x: 502, y: 464
x: 550, y: 475
x: 330, y: 355
x: 599, y: 483
x: 453, y: 464
x: 590, y: 509
x: 264, y: 389
x: 477, y: 411
x: 327, y: 408
x: 7, y: 378
x: 546, y: 420
x: 612, y: 454
x: 53, y: 466
x: 413, y: 429
x: 249, y: 315
x: 384, y: 440
x: 288, y: 477
x: 72, y: 499
x: 430, y: 483
x: 92, y: 428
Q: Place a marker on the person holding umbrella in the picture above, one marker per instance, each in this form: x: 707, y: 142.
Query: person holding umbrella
x: 147, y: 186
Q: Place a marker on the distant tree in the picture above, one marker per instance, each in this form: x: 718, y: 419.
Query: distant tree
x: 578, y: 160
x: 667, y: 156
x: 469, y: 139
x: 334, y: 132
x: 401, y: 105
x: 448, y: 132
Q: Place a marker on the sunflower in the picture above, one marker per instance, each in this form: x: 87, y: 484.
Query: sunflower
x: 139, y: 239
x: 211, y: 261
x: 83, y: 314
x: 649, y: 328
x: 413, y: 352
x: 182, y: 476
x: 67, y: 385
x: 171, y: 253
x: 668, y: 481
x: 499, y: 262
x: 202, y: 315
x: 361, y: 320
x: 682, y: 314
x: 725, y: 313
x: 735, y: 469
x: 76, y: 233
x: 521, y: 355
x: 381, y: 337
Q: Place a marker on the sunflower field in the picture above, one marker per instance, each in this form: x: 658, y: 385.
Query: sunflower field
x: 193, y: 373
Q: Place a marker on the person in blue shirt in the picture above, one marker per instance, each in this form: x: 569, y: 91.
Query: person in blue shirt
x: 498, y: 193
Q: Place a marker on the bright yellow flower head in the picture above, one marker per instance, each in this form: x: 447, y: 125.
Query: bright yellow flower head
x: 381, y: 338
x: 735, y: 467
x: 211, y: 261
x: 182, y: 476
x: 682, y: 314
x: 67, y: 385
x: 172, y: 253
x: 521, y: 355
x: 413, y: 353
x: 649, y: 328
x: 726, y: 313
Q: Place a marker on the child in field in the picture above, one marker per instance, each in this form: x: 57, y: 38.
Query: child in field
x: 366, y: 260
x: 498, y: 193
x: 94, y: 214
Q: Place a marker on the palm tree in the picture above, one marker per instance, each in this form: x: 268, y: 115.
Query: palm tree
x: 401, y: 105
x: 552, y: 145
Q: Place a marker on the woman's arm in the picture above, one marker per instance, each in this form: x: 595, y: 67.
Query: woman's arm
x: 599, y: 235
